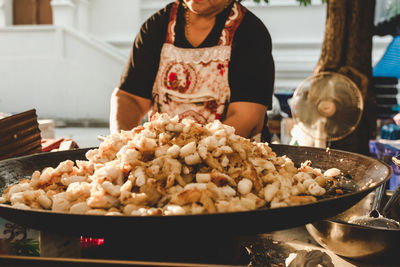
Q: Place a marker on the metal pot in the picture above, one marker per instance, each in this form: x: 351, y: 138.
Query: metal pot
x: 357, y: 241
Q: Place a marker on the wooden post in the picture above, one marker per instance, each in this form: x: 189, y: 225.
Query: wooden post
x: 347, y: 49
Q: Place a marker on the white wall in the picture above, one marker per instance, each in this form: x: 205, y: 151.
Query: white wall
x: 62, y: 74
x: 5, y: 13
x: 116, y: 21
x: 296, y: 38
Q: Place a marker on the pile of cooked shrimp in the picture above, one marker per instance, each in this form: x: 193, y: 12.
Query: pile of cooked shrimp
x: 171, y: 167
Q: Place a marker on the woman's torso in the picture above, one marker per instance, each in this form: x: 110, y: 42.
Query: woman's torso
x: 193, y: 82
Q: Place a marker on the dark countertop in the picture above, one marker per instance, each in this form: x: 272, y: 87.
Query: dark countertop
x: 271, y: 249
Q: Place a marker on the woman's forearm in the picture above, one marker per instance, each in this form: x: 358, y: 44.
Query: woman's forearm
x: 247, y: 118
x: 126, y: 110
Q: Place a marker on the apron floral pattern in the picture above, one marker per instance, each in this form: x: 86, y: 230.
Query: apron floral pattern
x: 193, y: 82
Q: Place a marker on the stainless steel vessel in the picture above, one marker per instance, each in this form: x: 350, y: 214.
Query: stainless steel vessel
x: 357, y: 241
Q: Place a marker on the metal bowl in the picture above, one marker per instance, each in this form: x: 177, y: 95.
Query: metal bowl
x: 356, y: 241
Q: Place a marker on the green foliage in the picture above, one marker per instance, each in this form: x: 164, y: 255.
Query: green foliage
x: 302, y: 2
x: 26, y: 247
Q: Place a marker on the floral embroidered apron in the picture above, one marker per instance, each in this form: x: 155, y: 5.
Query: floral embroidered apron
x: 193, y: 82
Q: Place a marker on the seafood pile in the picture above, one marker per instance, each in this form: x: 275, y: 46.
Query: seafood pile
x: 170, y: 166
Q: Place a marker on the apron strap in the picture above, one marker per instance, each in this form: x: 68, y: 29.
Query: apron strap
x: 170, y: 39
x: 232, y: 23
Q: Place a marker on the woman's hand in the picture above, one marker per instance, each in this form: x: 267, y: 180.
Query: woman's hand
x: 246, y: 117
x: 127, y: 110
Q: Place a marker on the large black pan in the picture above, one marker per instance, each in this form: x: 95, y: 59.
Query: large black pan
x: 367, y: 172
